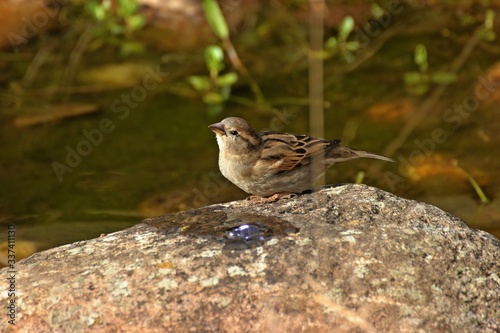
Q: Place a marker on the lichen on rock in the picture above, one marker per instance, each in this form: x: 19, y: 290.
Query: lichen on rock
x: 351, y: 258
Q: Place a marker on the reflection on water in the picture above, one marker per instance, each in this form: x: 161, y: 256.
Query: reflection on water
x: 145, y: 149
x: 236, y: 228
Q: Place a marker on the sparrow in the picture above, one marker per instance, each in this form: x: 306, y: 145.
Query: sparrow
x: 271, y: 163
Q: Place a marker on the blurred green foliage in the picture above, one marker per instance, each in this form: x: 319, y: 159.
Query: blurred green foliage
x: 418, y: 82
x: 340, y: 44
x: 114, y: 22
x: 215, y: 88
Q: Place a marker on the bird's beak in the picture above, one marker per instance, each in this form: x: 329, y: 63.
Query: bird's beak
x: 217, y: 128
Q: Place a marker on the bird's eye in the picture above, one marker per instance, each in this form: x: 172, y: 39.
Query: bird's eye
x: 233, y: 132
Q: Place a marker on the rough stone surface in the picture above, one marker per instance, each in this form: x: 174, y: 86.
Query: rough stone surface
x: 363, y: 261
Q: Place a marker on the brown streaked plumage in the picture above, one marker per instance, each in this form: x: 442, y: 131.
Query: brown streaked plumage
x: 268, y: 163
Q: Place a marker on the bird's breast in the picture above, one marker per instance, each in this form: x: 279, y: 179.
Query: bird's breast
x: 235, y: 167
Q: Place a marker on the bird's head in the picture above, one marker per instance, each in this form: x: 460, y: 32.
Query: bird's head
x: 236, y: 136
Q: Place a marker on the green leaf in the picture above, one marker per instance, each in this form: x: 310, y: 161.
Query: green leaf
x: 127, y: 7
x: 215, y: 18
x: 212, y: 98
x: 414, y: 78
x: 213, y: 58
x: 377, y: 11
x: 200, y: 83
x: 346, y: 27
x: 421, y: 57
x: 331, y: 43
x: 352, y: 46
x: 488, y: 35
x: 106, y: 4
x: 136, y: 22
x: 489, y: 19
x: 131, y: 47
x: 444, y: 77
x: 227, y: 79
x: 96, y: 11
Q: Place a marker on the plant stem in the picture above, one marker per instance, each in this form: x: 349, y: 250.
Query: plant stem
x: 316, y: 99
x: 479, y: 191
x: 236, y: 61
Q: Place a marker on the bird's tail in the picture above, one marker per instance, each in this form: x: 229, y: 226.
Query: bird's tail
x: 365, y: 154
x: 341, y: 154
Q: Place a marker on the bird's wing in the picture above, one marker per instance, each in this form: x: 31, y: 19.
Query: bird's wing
x: 285, y: 152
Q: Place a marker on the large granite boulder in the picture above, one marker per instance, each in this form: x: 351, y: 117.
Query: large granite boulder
x: 349, y: 258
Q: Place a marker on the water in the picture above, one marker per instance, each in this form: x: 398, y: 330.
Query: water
x: 148, y: 150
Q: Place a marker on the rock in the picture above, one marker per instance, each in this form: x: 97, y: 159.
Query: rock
x: 22, y: 20
x: 350, y: 258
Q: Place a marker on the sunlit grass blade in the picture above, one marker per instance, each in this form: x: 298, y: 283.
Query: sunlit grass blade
x: 360, y: 177
x: 479, y: 191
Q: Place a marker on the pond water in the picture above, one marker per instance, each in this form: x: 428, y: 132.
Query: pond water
x: 148, y: 151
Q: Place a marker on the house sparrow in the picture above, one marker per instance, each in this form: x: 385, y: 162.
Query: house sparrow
x: 269, y: 163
